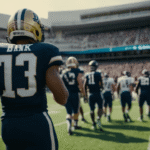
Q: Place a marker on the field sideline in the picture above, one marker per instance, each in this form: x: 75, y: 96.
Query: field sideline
x: 117, y: 136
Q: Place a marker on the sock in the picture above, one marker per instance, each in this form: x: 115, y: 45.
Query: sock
x: 75, y: 122
x: 98, y: 118
x: 127, y: 111
x: 124, y: 115
x: 69, y: 121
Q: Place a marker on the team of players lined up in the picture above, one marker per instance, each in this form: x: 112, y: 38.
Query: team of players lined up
x: 99, y: 89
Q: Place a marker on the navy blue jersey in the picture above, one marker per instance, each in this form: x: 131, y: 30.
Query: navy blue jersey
x: 22, y: 77
x: 144, y: 83
x: 69, y: 77
x: 92, y: 81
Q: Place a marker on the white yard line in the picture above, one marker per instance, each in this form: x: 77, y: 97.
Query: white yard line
x: 148, y: 148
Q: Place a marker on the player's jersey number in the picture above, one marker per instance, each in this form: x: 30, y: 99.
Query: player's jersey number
x: 30, y: 74
x: 70, y: 78
x: 125, y: 83
x: 145, y: 81
x: 91, y: 79
x: 107, y: 85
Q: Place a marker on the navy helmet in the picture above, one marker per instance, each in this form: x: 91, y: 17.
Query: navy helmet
x: 93, y: 64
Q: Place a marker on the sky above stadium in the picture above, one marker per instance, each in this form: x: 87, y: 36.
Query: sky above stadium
x: 42, y: 7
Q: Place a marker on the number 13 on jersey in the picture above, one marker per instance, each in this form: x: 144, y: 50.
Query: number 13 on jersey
x: 30, y: 74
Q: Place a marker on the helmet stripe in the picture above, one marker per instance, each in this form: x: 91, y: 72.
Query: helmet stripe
x: 23, y: 14
x: 19, y: 19
x: 15, y: 19
x: 22, y: 17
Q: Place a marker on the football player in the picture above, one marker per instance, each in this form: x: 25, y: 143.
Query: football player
x: 109, y: 88
x: 125, y: 88
x: 72, y: 77
x: 144, y: 86
x: 93, y: 81
x: 27, y: 65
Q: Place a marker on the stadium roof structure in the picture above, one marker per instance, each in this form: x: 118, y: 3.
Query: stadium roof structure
x: 101, y: 19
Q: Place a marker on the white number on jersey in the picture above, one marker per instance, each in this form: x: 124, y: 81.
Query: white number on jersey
x: 145, y: 81
x: 125, y: 83
x: 91, y: 78
x: 71, y: 76
x: 30, y: 74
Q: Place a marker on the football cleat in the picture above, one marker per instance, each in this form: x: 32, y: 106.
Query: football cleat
x: 128, y: 118
x: 141, y: 118
x: 84, y: 120
x: 125, y: 118
x: 25, y: 23
x: 108, y: 118
x: 101, y: 130
x: 70, y: 132
x: 94, y: 126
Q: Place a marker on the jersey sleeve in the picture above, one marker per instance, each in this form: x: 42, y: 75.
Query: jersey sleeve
x: 80, y: 71
x: 53, y: 56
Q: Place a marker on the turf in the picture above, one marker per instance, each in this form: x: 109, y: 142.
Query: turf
x: 118, y: 135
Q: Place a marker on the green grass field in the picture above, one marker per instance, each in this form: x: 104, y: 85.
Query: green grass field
x: 117, y: 136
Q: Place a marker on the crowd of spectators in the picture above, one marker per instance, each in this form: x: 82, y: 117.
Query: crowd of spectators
x: 115, y: 68
x: 108, y: 39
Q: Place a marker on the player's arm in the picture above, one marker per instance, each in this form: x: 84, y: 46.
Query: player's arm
x: 137, y: 87
x: 118, y: 88
x: 101, y: 83
x: 131, y: 87
x: 56, y: 85
x: 113, y: 87
x: 85, y: 86
x: 80, y: 83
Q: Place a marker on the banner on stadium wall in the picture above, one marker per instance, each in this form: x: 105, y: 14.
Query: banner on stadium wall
x: 108, y: 50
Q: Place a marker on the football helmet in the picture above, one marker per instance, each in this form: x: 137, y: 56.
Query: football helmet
x: 72, y: 62
x: 128, y: 74
x: 25, y: 23
x: 93, y: 64
x: 145, y: 72
x: 106, y: 75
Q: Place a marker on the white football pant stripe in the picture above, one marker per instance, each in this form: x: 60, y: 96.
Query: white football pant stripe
x: 51, y: 131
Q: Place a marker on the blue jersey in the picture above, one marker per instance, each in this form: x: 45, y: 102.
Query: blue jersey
x: 69, y: 77
x: 144, y: 84
x: 92, y: 81
x: 22, y: 77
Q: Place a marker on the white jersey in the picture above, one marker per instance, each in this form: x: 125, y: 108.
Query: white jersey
x: 107, y: 84
x: 124, y: 82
